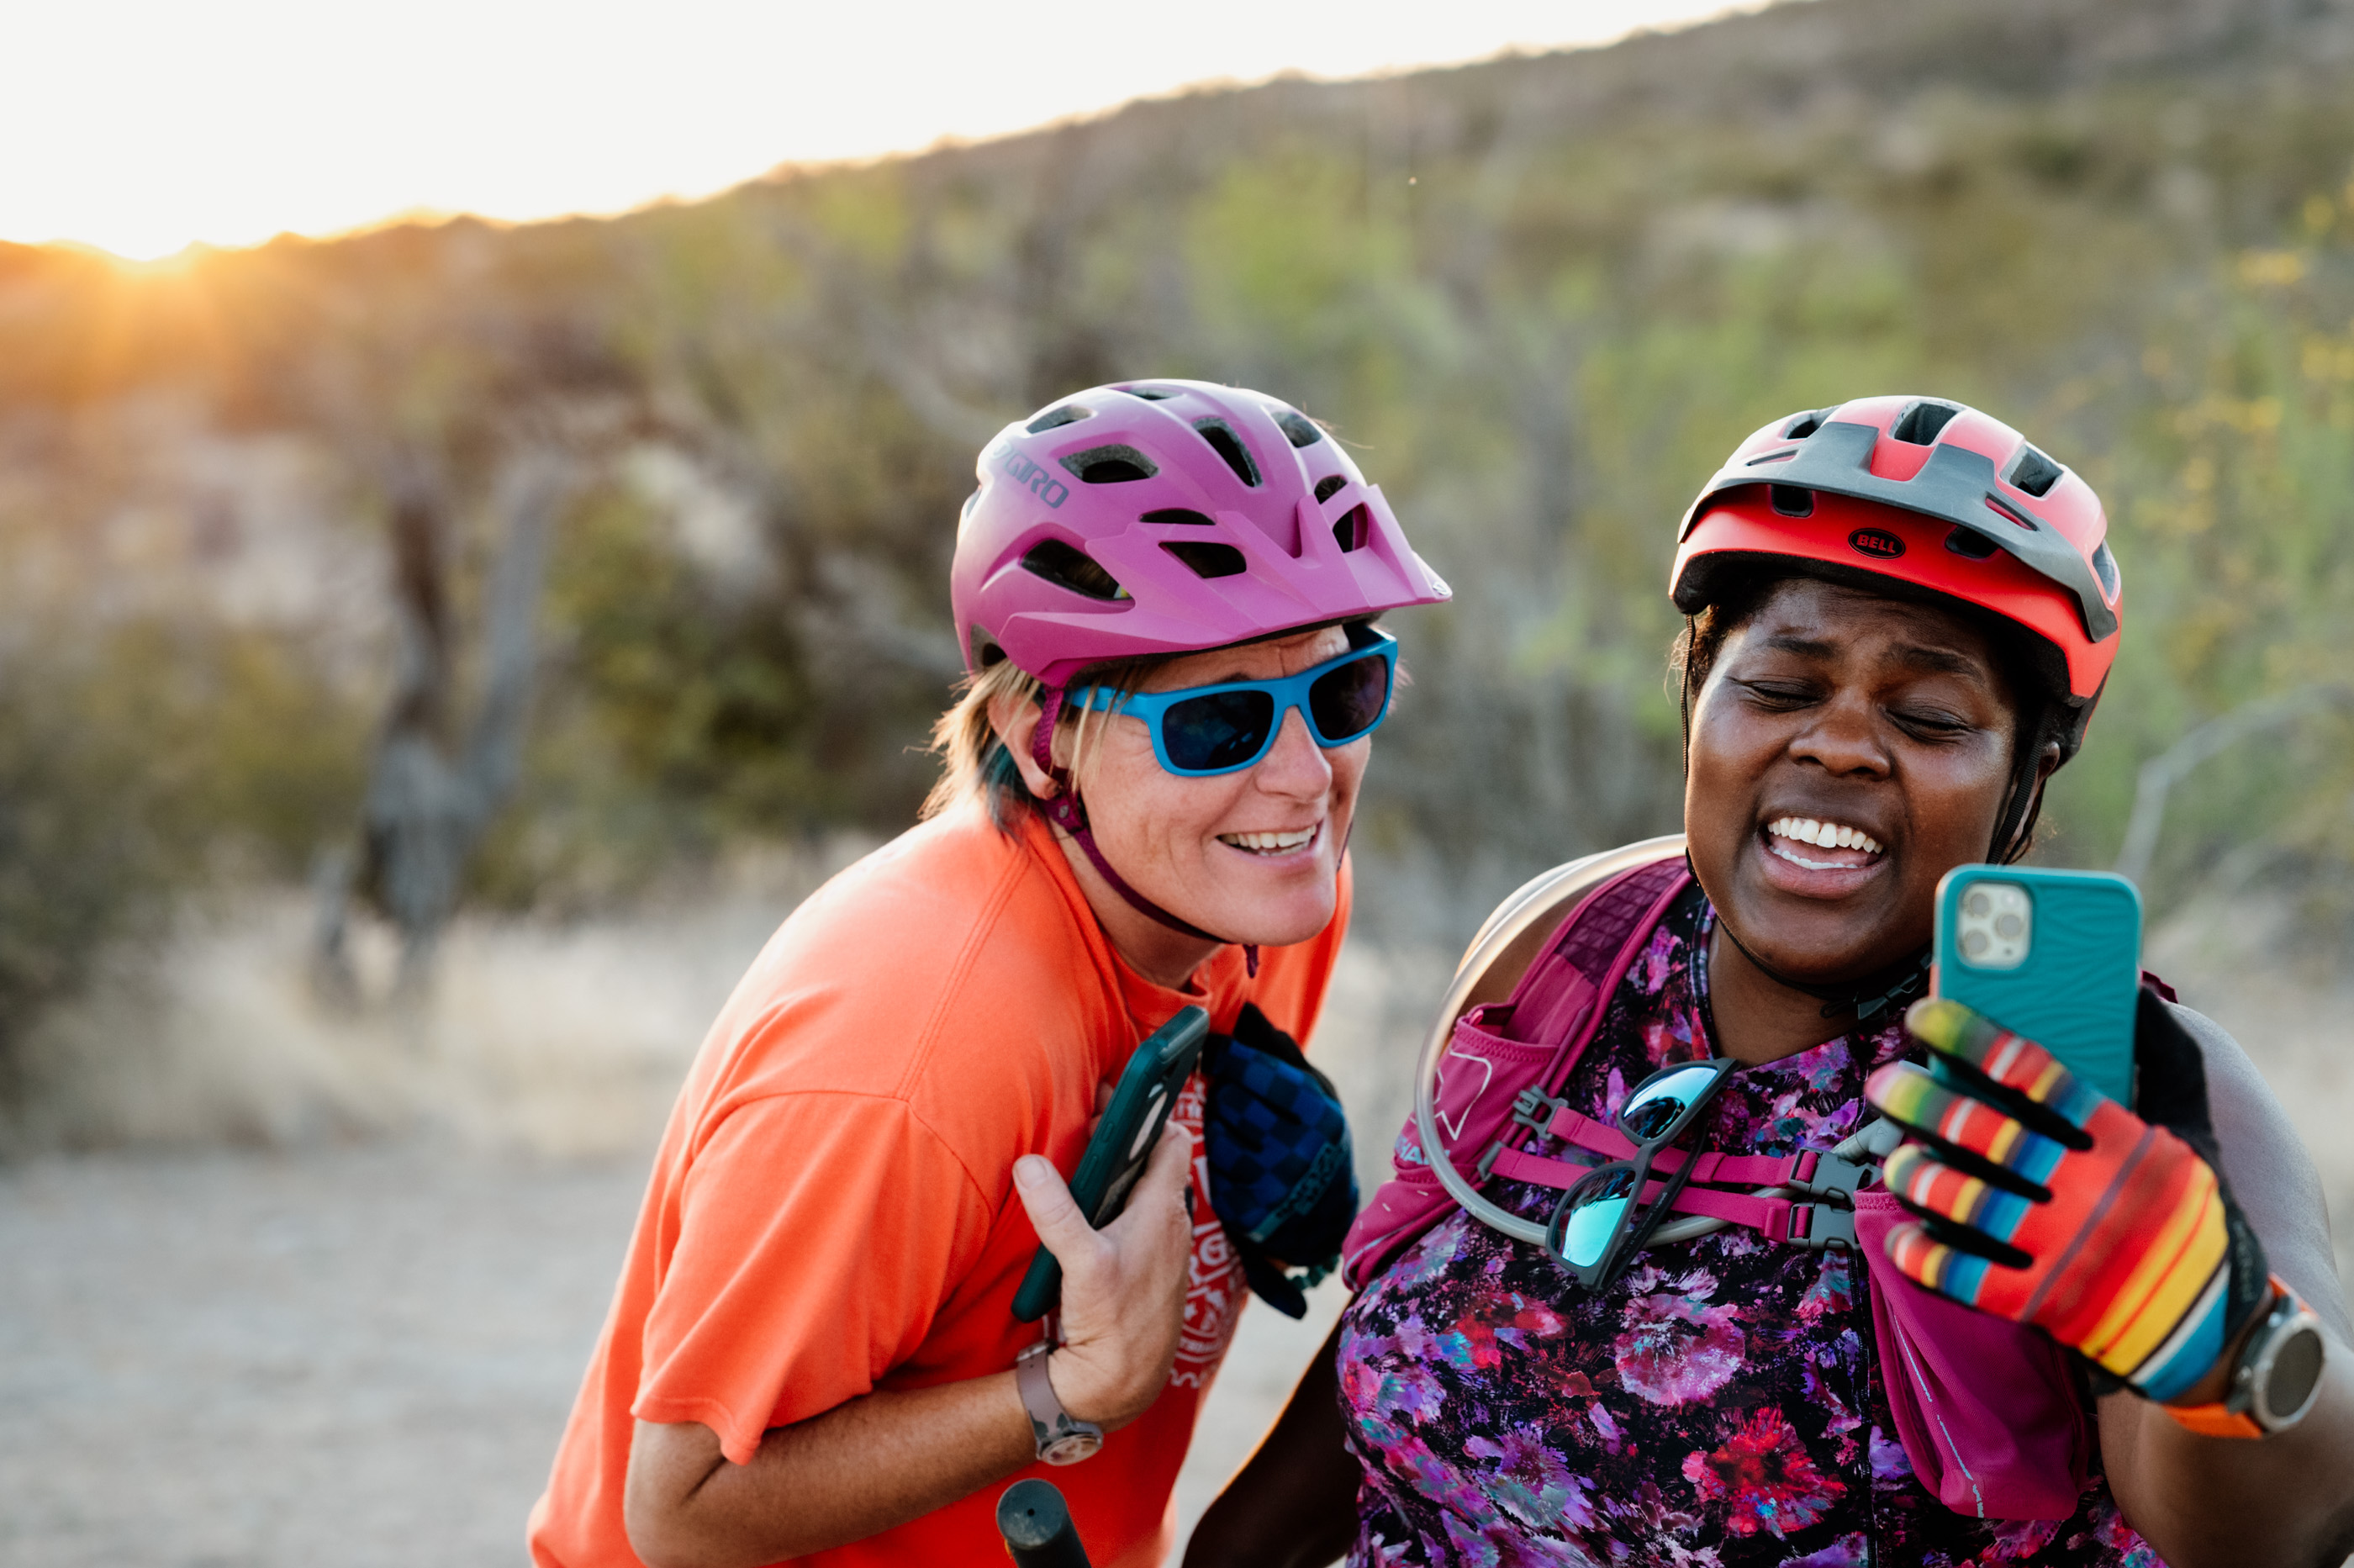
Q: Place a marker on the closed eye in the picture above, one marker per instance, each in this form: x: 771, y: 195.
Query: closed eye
x: 1780, y: 697
x: 1930, y: 723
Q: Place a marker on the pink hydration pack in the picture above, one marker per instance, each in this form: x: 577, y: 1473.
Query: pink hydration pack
x: 1988, y: 1410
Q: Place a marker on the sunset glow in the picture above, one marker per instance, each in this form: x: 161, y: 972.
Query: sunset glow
x: 140, y: 128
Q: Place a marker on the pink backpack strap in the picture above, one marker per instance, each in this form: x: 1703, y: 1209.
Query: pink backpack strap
x: 1530, y: 1041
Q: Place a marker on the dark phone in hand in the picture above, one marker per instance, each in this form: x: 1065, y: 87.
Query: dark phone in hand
x: 1122, y: 1145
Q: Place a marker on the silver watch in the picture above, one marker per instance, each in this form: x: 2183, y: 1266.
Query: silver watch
x: 2279, y: 1375
x: 1062, y: 1439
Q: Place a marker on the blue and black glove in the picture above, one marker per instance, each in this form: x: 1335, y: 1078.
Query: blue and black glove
x: 1282, y: 1179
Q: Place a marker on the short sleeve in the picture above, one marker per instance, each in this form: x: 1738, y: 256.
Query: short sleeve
x: 818, y: 1235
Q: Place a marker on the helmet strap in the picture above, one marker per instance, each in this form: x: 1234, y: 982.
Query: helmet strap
x: 1067, y: 811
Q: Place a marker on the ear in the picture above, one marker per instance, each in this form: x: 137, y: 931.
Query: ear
x: 1017, y: 724
x: 2047, y: 762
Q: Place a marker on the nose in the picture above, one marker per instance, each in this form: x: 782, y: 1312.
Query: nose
x: 1844, y: 739
x: 1295, y: 765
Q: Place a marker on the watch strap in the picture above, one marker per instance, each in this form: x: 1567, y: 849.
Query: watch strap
x: 2216, y: 1420
x: 1061, y: 1437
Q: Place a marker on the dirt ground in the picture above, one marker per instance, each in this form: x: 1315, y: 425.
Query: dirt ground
x: 354, y: 1340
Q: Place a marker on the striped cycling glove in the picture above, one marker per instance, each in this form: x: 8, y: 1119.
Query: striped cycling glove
x: 2043, y: 1200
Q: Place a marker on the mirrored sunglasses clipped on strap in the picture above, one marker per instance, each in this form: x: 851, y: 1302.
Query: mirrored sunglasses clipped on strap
x: 1609, y: 1213
x: 1202, y: 731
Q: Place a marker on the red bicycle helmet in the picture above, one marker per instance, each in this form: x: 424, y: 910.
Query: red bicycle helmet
x: 1928, y: 493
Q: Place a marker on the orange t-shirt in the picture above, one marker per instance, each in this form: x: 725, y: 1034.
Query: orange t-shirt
x: 832, y: 1208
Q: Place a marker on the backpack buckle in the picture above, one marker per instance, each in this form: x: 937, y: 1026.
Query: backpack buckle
x: 1825, y: 1227
x: 1833, y: 1177
x: 1535, y: 1110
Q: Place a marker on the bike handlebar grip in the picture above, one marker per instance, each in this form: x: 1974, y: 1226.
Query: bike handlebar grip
x: 1037, y: 1527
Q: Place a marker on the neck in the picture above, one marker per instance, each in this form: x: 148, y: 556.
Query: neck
x: 1160, y: 955
x: 1759, y: 1018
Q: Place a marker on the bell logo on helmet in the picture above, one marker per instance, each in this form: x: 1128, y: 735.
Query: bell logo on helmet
x: 1878, y: 543
x: 1040, y: 480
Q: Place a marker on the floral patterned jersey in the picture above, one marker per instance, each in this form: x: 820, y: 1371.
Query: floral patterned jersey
x: 1720, y: 1405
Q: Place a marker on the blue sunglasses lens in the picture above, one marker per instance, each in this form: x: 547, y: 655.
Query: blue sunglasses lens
x: 1225, y: 730
x: 1594, y: 1218
x: 1347, y: 701
x: 1652, y: 1109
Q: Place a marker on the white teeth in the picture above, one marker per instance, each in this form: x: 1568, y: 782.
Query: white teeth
x: 1829, y: 835
x: 1269, y: 842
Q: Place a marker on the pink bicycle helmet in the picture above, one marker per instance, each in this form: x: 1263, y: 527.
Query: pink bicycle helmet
x: 1153, y: 517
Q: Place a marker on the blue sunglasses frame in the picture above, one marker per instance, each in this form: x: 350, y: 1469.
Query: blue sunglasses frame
x: 1289, y: 693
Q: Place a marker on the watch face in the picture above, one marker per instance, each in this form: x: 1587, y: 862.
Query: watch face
x: 2292, y: 1377
x: 1072, y: 1449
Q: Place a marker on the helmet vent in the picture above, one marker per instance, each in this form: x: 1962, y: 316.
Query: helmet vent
x: 1297, y: 428
x: 1330, y: 486
x: 1183, y: 516
x: 1110, y: 465
x: 1970, y: 544
x: 1792, y: 500
x: 2009, y: 513
x: 2035, y: 473
x: 1150, y: 394
x: 2105, y: 566
x: 1209, y: 560
x: 1230, y: 448
x: 1055, y: 418
x: 1920, y: 423
x: 1066, y: 565
x: 1801, y: 425
x: 1350, y: 532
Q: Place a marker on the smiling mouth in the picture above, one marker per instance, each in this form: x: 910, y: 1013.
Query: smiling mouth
x: 1821, y: 846
x: 1275, y: 843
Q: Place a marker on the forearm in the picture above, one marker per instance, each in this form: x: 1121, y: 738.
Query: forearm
x: 852, y: 1472
x: 2287, y: 1498
x: 1294, y: 1505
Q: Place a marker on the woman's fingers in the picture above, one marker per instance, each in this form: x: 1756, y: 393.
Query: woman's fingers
x: 1054, y: 1213
x: 1123, y: 1287
x: 1908, y: 1096
x: 1948, y: 1270
x: 2018, y: 1063
x: 1916, y: 1175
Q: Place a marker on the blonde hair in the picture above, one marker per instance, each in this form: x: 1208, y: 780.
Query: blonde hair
x: 975, y: 764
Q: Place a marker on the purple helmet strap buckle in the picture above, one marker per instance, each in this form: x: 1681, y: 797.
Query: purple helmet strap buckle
x: 1066, y: 811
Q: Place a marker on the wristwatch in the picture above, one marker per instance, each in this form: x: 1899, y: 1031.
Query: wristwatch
x: 2275, y: 1379
x: 1063, y: 1438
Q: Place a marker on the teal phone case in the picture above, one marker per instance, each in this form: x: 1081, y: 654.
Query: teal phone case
x: 2068, y: 981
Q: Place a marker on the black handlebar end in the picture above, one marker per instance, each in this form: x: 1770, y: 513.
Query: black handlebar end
x: 1037, y: 1527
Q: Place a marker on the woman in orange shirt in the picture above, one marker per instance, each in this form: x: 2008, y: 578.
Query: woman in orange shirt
x: 1164, y: 592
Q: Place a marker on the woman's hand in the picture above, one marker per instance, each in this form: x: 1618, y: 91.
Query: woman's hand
x: 1123, y: 1287
x: 2046, y: 1202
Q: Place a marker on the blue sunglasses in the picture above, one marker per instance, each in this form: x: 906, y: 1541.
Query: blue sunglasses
x: 1202, y: 731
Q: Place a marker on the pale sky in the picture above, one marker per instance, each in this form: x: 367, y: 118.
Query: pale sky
x: 140, y: 126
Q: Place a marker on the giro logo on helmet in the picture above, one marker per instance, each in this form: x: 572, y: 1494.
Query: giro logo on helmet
x: 1040, y: 480
x: 1877, y: 542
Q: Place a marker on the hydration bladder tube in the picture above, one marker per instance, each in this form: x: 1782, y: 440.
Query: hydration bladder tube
x: 1535, y: 901
x: 1542, y: 899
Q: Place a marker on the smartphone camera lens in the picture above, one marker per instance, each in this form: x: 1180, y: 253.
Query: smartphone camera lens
x: 1993, y: 925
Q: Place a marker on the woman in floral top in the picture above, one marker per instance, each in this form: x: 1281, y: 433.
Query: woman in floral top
x: 1859, y: 724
